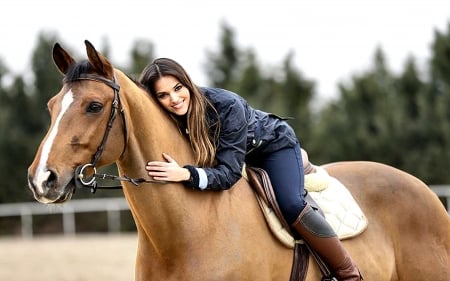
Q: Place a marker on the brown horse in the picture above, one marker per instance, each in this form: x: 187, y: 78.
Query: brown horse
x: 186, y: 234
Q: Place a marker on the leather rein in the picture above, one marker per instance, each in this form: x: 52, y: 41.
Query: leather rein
x: 81, y: 178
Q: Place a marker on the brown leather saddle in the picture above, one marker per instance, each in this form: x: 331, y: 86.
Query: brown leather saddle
x: 260, y: 182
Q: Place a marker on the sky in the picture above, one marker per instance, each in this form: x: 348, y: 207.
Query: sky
x: 331, y: 39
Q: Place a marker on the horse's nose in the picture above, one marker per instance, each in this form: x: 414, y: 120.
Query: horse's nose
x: 46, y: 181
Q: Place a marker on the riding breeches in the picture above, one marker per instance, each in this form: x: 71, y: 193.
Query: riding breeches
x: 285, y: 170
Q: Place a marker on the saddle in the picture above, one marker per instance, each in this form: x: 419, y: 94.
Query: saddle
x: 347, y: 221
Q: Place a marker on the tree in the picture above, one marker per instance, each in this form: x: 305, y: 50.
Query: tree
x: 355, y: 126
x: 47, y: 79
x: 296, y: 94
x: 401, y: 120
x: 436, y: 116
x: 15, y: 145
x: 221, y: 67
x: 142, y: 53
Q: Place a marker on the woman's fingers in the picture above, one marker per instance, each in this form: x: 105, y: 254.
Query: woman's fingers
x: 169, y: 158
x: 168, y: 171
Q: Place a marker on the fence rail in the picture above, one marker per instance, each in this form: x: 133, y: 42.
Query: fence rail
x: 112, y: 206
x: 443, y: 191
x: 26, y: 211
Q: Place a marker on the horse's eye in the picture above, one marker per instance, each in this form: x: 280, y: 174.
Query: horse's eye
x: 94, y: 107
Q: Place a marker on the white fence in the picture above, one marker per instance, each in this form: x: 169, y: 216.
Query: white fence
x: 112, y: 206
x: 26, y: 211
x: 443, y: 191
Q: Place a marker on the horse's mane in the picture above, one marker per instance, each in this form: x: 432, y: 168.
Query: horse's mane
x: 77, y: 70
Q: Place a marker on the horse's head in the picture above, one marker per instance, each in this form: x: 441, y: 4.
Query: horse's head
x: 83, y: 127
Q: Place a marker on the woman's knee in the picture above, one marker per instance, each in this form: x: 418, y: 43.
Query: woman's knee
x: 292, y: 209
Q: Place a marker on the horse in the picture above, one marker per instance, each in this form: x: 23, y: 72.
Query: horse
x: 186, y: 234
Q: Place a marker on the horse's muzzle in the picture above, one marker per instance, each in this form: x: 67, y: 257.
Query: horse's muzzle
x: 49, y: 190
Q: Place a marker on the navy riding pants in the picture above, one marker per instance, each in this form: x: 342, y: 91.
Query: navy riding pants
x: 285, y: 170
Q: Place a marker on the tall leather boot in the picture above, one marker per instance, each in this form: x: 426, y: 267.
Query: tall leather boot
x: 316, y: 231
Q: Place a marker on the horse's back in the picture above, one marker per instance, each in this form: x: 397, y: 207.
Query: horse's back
x: 408, y: 237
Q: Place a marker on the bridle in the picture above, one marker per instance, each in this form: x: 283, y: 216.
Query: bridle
x: 81, y: 178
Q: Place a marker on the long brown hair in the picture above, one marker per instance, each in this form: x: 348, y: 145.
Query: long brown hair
x: 202, y: 139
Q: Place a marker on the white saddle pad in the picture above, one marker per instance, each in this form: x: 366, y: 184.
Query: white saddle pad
x: 340, y: 208
x: 338, y: 205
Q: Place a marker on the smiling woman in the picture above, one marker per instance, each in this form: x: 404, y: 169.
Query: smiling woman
x: 172, y: 95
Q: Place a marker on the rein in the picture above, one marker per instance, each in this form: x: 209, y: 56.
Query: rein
x: 81, y: 178
x: 82, y: 181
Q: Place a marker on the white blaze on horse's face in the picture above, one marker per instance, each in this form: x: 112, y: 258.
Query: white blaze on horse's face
x: 42, y: 173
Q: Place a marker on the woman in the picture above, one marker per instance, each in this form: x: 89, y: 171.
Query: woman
x: 225, y: 132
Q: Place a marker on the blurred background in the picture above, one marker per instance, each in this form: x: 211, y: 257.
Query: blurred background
x: 364, y: 80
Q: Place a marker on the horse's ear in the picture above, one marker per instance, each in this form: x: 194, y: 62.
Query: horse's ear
x: 98, y: 61
x: 61, y: 58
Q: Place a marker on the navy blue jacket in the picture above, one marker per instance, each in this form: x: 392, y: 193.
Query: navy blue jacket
x: 244, y: 131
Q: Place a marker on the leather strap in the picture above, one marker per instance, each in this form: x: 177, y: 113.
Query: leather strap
x: 260, y: 182
x: 299, y: 263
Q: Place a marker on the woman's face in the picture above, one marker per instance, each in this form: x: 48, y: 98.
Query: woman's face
x: 172, y: 95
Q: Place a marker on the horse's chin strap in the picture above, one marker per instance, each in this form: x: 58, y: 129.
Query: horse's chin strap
x: 81, y: 178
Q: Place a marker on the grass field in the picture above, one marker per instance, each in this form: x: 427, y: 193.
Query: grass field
x: 81, y: 258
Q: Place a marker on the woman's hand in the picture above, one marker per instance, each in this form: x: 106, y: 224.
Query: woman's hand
x: 167, y: 171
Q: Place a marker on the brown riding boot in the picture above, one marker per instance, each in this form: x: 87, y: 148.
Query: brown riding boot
x: 316, y: 231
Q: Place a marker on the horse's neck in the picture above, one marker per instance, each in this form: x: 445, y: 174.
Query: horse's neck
x: 150, y: 133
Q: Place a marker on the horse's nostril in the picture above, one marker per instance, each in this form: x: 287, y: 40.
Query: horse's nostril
x: 51, y: 180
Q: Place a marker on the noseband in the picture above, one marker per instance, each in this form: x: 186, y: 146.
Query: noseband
x: 81, y: 180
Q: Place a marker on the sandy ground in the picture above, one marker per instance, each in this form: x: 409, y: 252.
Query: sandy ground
x: 81, y: 258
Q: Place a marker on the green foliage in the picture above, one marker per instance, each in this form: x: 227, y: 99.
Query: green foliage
x: 221, y: 67
x: 142, y: 53
x: 401, y: 120
x: 14, y: 148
